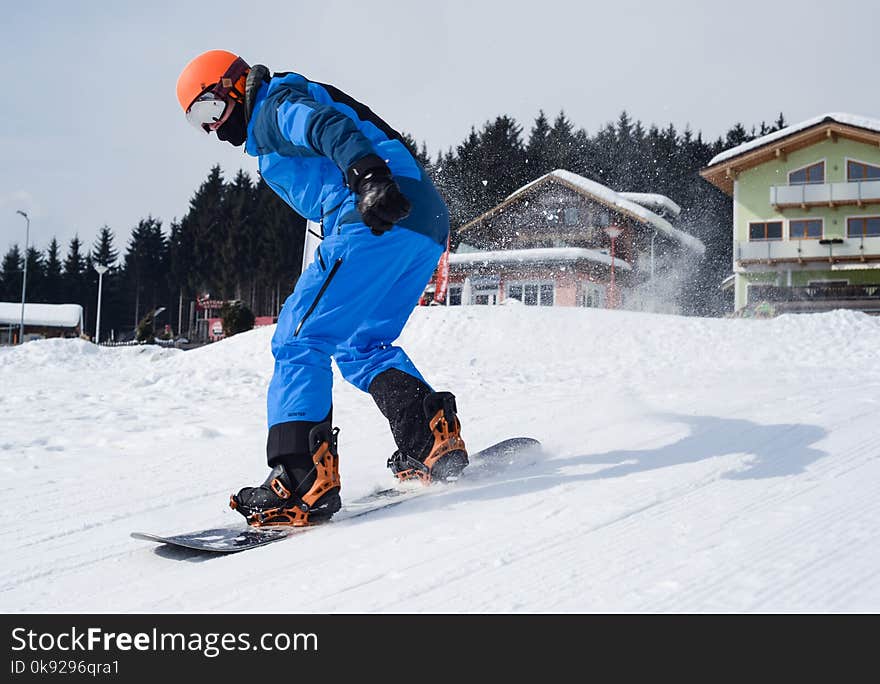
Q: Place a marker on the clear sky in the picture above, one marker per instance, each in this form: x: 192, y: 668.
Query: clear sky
x: 92, y: 133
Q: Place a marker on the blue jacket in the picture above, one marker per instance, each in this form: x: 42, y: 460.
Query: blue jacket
x: 307, y: 135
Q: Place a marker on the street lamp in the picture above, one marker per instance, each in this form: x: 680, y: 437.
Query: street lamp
x: 613, y: 232
x: 24, y: 275
x: 101, y: 269
x: 653, y: 237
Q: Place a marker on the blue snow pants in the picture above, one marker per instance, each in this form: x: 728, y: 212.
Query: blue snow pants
x: 351, y: 304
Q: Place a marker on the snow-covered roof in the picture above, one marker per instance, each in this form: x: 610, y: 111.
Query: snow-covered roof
x: 837, y: 117
x: 42, y: 315
x: 652, y: 201
x: 537, y: 255
x: 608, y: 196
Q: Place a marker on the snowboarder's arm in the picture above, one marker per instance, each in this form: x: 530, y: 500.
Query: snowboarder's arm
x: 326, y: 131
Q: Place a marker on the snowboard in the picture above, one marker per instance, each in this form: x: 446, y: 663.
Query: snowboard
x: 484, y: 464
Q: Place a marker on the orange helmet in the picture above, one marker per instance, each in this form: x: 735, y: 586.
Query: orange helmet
x: 218, y: 70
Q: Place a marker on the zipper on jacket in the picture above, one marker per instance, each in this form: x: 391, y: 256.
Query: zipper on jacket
x: 320, y: 294
x: 320, y: 258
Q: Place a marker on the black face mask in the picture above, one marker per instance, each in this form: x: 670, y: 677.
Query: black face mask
x: 234, y: 129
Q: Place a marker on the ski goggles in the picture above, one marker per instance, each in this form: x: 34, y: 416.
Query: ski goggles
x: 208, y: 112
x: 213, y: 106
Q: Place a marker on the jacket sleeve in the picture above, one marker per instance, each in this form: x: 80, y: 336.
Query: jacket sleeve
x: 322, y: 129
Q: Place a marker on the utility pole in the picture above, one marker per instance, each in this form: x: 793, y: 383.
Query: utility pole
x: 24, y: 276
x: 613, y: 232
x: 101, y: 269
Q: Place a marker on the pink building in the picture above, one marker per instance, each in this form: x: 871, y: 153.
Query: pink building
x: 549, y: 244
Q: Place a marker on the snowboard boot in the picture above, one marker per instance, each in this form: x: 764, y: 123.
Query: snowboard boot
x: 443, y: 454
x: 301, y: 489
x: 424, y: 425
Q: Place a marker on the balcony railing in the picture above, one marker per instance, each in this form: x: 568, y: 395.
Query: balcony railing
x: 770, y: 251
x: 829, y: 194
x: 774, y: 293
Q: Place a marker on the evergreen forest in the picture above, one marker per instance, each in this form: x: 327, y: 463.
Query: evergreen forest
x: 239, y: 241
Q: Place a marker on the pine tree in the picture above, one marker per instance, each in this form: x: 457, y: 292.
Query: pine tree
x: 146, y: 267
x: 420, y: 153
x: 10, y: 275
x: 780, y: 123
x: 279, y: 251
x: 74, y: 274
x: 103, y: 252
x: 604, y: 162
x: 652, y: 158
x: 539, y: 159
x: 236, y: 268
x: 36, y: 277
x: 502, y: 160
x: 53, y: 275
x: 201, y: 227
x: 180, y: 259
x: 464, y: 189
x: 563, y: 144
x: 113, y: 294
x: 737, y: 136
x: 638, y: 180
x: 622, y: 177
x: 443, y: 173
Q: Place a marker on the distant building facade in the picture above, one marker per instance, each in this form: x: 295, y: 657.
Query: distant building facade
x: 40, y: 321
x: 806, y: 216
x: 208, y: 325
x: 549, y: 244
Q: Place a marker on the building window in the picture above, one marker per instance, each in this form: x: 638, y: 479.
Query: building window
x: 571, y: 216
x: 532, y: 294
x: 485, y: 295
x: 515, y: 292
x: 863, y: 226
x: 591, y: 295
x: 805, y: 229
x: 765, y: 230
x: 814, y: 173
x: 484, y: 290
x: 858, y: 171
x: 453, y: 296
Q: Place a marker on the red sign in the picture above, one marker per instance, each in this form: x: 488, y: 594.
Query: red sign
x: 210, y: 303
x: 442, y: 276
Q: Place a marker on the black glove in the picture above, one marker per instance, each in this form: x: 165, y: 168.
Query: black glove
x: 380, y: 201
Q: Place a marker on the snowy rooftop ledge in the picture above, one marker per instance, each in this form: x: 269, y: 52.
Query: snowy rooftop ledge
x: 652, y: 201
x: 537, y: 255
x: 41, y: 315
x: 608, y: 196
x: 838, y: 117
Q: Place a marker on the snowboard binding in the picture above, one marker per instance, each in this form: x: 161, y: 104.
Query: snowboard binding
x: 445, y: 455
x: 277, y: 502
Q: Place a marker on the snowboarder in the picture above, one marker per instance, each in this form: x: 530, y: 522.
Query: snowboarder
x: 384, y: 227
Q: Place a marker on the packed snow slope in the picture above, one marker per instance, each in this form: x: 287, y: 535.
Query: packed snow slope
x: 689, y: 465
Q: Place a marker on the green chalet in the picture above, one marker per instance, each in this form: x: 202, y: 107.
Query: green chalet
x: 806, y: 216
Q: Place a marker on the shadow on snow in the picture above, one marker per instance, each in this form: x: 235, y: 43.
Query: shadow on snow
x: 770, y: 451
